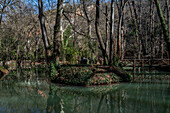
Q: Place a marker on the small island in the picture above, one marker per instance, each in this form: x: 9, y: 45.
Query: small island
x: 87, y: 75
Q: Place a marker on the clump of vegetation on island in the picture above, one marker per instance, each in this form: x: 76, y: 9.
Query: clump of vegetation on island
x: 89, y: 75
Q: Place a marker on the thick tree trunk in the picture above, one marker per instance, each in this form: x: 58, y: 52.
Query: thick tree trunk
x: 120, y: 4
x: 111, y: 55
x: 164, y: 25
x: 44, y: 31
x: 102, y: 46
x: 57, y: 30
x: 119, y: 34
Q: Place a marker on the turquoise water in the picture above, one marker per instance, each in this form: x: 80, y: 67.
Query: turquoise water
x: 29, y: 91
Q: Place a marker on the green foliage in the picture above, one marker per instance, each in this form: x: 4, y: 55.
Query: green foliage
x: 53, y: 71
x: 115, y: 62
x: 132, y: 33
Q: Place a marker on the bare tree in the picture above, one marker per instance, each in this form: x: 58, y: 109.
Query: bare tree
x: 163, y: 24
x: 112, y: 54
x: 44, y: 31
x: 102, y: 45
x: 121, y: 5
x: 3, y: 5
x: 57, y: 29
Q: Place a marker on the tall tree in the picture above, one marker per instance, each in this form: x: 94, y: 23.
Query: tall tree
x: 51, y: 55
x: 121, y: 5
x: 102, y: 45
x: 112, y: 54
x: 3, y: 5
x: 58, y: 30
x: 163, y: 24
x: 44, y: 31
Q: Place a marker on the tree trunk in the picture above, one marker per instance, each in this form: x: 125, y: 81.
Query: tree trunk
x: 89, y: 26
x: 74, y: 23
x: 152, y: 28
x: 111, y: 33
x: 136, y: 30
x: 167, y: 6
x: 141, y: 43
x: 120, y: 6
x: 1, y: 17
x: 57, y: 30
x: 87, y: 18
x: 119, y: 34
x: 107, y: 38
x: 102, y: 46
x: 44, y: 31
x: 164, y: 25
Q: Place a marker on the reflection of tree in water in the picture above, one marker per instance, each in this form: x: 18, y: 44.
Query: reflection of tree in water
x: 127, y: 98
x: 34, y: 94
x: 53, y: 101
x: 166, y: 97
x: 20, y: 99
x: 20, y: 92
x: 81, y: 102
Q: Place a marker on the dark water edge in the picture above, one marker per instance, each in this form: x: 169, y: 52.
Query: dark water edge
x: 29, y: 91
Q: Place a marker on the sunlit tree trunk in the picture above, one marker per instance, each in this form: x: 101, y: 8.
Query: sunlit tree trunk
x: 44, y: 31
x: 121, y: 5
x: 111, y: 60
x: 106, y: 25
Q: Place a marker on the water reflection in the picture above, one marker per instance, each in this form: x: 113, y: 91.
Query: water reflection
x: 25, y: 91
x: 124, y: 98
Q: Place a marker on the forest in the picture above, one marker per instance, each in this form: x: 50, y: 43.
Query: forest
x: 96, y: 36
x: 84, y: 56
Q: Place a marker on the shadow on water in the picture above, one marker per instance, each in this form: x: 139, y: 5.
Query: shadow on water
x: 28, y: 90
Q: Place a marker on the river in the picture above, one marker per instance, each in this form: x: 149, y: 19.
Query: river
x: 29, y: 91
